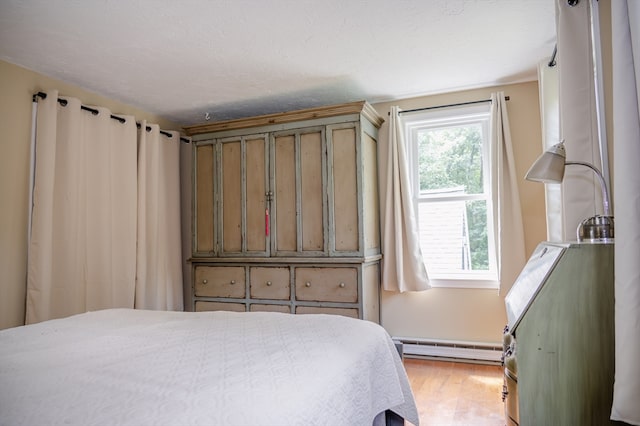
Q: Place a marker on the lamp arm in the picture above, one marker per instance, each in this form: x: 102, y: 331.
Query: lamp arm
x: 603, y: 185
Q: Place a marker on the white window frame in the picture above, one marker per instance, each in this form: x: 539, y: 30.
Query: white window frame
x: 435, y: 118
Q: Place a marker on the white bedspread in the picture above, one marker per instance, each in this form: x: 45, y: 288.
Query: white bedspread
x: 132, y: 367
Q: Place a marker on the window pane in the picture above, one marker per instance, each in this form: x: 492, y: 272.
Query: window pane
x: 450, y: 159
x: 453, y: 236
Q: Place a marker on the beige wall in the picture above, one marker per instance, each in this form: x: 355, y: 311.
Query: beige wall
x: 468, y: 314
x: 17, y: 86
x: 456, y: 314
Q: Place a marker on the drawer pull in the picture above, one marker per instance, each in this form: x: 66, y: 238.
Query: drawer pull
x: 269, y: 283
x: 308, y: 284
x: 205, y: 281
x: 342, y: 285
x: 233, y: 282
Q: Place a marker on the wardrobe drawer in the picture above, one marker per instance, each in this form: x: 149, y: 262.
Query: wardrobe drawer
x: 263, y: 307
x: 327, y: 284
x: 347, y: 312
x: 203, y: 305
x: 269, y: 283
x: 219, y: 281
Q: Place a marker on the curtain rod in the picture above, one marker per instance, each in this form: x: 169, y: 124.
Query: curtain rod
x: 448, y: 105
x: 93, y: 111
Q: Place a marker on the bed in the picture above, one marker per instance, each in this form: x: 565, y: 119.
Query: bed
x: 135, y: 367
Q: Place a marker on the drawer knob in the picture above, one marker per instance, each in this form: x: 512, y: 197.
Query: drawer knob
x: 341, y: 285
x: 308, y: 284
x: 233, y: 282
x: 205, y: 281
x: 269, y: 283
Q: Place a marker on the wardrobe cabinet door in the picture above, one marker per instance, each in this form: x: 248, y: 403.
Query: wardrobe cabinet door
x: 285, y: 205
x: 344, y: 177
x: 231, y: 196
x: 204, y: 218
x: 300, y: 205
x: 256, y: 179
x: 243, y: 196
x: 312, y: 193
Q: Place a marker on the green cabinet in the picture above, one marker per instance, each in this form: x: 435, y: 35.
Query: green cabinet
x: 561, y: 316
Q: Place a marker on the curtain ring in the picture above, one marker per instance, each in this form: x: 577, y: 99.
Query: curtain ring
x: 572, y: 3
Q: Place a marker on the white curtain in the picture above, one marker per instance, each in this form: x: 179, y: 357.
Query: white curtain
x: 85, y: 219
x: 550, y: 117
x: 402, y: 265
x: 625, y: 16
x: 581, y: 194
x: 506, y: 198
x: 83, y: 239
x: 159, y: 254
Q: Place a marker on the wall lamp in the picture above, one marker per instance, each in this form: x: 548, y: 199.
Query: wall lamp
x: 549, y: 168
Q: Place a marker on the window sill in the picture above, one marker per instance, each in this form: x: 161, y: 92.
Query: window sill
x: 457, y: 283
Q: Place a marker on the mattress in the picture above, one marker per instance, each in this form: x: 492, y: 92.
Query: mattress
x: 135, y: 367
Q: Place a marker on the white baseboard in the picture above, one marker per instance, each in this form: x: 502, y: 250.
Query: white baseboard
x: 479, y: 352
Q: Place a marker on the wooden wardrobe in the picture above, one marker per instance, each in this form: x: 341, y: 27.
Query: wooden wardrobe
x: 285, y: 213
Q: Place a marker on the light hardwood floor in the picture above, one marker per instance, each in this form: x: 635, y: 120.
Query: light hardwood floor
x: 456, y: 394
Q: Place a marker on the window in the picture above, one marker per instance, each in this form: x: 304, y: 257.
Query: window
x: 449, y: 156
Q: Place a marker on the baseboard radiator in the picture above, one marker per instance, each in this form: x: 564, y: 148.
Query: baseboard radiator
x: 449, y: 350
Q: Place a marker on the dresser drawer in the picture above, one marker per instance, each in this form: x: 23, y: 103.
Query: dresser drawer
x: 510, y: 396
x: 269, y: 283
x: 219, y: 281
x: 203, y: 305
x: 327, y: 284
x: 263, y: 307
x: 347, y: 312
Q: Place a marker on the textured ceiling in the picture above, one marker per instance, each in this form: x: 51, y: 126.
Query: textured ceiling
x: 237, y: 58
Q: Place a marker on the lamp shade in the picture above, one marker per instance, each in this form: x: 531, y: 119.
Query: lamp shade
x: 549, y: 167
